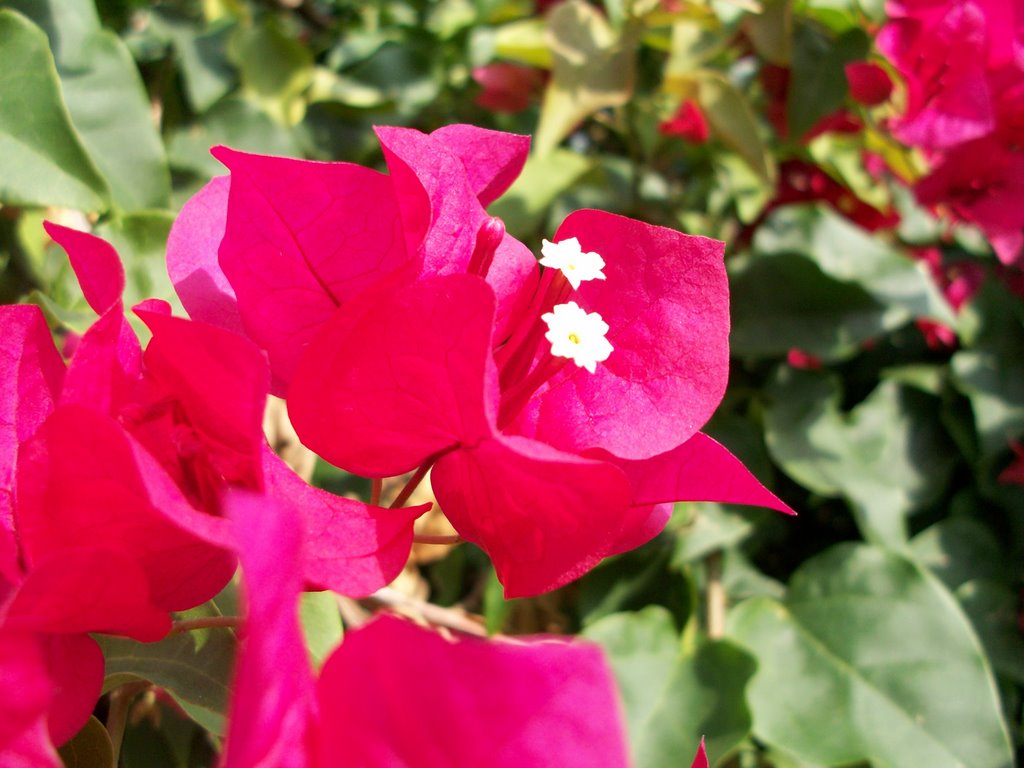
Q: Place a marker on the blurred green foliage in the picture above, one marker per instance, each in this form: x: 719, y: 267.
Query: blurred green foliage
x: 851, y: 627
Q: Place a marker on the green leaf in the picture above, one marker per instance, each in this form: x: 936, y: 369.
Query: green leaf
x: 42, y: 158
x: 523, y: 41
x: 994, y: 609
x: 202, y: 54
x: 967, y: 557
x: 90, y: 748
x: 818, y: 83
x: 523, y: 206
x: 991, y: 372
x: 109, y: 107
x: 234, y: 122
x: 870, y: 658
x: 107, y: 102
x: 636, y: 579
x: 730, y: 117
x: 888, y: 456
x: 593, y: 69
x: 708, y: 528
x: 958, y: 550
x: 771, y: 31
x: 674, y: 695
x: 850, y: 254
x: 195, y: 667
x: 321, y: 624
x: 141, y: 241
x: 275, y: 69
x: 787, y: 301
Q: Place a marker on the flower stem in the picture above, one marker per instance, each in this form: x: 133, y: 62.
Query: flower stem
x: 413, y: 483
x: 423, y: 538
x: 376, y: 486
x: 437, y: 615
x: 206, y: 622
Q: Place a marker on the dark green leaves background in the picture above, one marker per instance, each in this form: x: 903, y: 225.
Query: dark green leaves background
x: 882, y: 626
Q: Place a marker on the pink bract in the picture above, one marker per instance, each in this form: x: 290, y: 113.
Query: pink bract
x: 544, y: 702
x: 280, y: 246
x: 420, y: 341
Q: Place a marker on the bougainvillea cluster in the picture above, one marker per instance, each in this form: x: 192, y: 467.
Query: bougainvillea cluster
x: 557, y: 402
x: 962, y: 66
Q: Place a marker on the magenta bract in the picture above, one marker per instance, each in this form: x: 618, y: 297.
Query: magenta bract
x: 542, y: 701
x: 418, y: 339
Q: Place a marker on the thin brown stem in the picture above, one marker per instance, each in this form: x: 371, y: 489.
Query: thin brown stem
x: 376, y: 488
x: 431, y: 613
x: 206, y: 622
x: 426, y: 538
x: 413, y: 484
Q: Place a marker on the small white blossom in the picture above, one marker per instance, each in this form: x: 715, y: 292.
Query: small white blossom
x: 578, y: 335
x: 577, y: 266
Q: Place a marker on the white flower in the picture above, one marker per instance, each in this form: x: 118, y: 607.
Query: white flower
x: 576, y: 265
x: 578, y: 335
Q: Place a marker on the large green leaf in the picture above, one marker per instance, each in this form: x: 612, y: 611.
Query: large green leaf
x: 194, y: 667
x: 109, y: 107
x: 787, y: 301
x: 107, y: 101
x: 991, y: 371
x: 968, y: 559
x: 888, y: 456
x: 870, y: 658
x: 847, y: 253
x: 593, y: 68
x: 42, y: 159
x: 90, y: 747
x: 674, y: 694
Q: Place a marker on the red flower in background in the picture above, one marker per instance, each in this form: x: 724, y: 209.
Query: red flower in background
x: 688, y: 123
x: 507, y: 87
x: 869, y: 83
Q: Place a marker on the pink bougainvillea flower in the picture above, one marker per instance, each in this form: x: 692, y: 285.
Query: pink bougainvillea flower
x: 954, y: 57
x: 409, y: 324
x: 688, y: 123
x: 802, y: 182
x: 548, y: 466
x: 982, y: 183
x: 284, y: 243
x: 544, y: 702
x: 869, y: 83
x: 507, y: 87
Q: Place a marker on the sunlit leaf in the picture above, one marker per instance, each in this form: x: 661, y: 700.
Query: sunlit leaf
x: 593, y: 69
x: 870, y: 658
x: 90, y: 748
x: 42, y: 158
x: 673, y: 695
